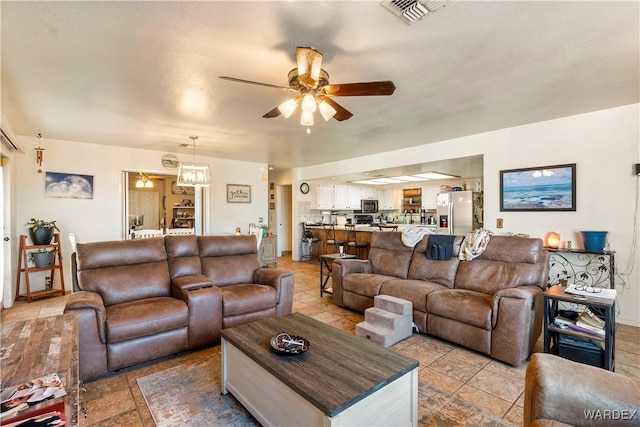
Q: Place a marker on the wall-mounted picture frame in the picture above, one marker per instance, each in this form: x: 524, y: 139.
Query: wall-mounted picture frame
x: 545, y: 188
x: 187, y: 191
x: 272, y: 186
x: 68, y: 185
x: 272, y: 205
x: 272, y: 196
x: 238, y: 193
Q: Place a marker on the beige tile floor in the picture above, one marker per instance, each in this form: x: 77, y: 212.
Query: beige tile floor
x: 115, y: 400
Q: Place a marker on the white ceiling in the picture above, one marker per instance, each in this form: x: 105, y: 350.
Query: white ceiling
x: 144, y: 74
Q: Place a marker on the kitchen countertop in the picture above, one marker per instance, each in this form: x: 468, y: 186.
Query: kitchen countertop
x: 367, y: 227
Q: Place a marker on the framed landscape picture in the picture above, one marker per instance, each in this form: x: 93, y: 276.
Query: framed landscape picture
x: 546, y: 188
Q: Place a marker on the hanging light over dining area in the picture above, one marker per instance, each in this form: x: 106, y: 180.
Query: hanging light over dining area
x: 192, y: 174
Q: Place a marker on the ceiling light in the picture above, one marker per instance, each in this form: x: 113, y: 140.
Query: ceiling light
x: 192, y: 174
x: 326, y: 110
x: 435, y: 175
x: 410, y: 178
x: 288, y: 107
x: 308, y: 103
x: 144, y: 181
x: 306, y: 119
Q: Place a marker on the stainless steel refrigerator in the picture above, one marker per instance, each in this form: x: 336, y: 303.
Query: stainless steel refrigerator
x: 459, y: 212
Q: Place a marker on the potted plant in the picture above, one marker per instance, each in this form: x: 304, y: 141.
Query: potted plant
x: 44, y: 257
x: 41, y: 231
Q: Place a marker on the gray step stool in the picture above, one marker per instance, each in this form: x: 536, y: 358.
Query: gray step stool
x: 389, y: 321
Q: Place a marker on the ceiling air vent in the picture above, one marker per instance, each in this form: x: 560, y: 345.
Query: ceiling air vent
x: 412, y: 11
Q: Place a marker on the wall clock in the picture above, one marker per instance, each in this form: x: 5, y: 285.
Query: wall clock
x: 169, y: 161
x: 304, y: 188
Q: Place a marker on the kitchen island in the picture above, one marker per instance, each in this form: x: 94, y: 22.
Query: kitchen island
x: 364, y: 233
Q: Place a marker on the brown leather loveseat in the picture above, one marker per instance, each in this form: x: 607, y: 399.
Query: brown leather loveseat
x: 492, y: 304
x: 138, y: 300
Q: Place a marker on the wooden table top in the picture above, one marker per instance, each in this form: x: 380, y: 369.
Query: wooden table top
x: 337, y: 371
x: 33, y: 348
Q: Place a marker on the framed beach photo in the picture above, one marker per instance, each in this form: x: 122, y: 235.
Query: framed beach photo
x: 546, y: 188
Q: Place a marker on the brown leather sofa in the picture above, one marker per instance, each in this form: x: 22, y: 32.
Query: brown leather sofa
x: 492, y: 304
x: 560, y: 392
x: 138, y: 300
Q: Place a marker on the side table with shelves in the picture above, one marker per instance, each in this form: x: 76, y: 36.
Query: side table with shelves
x: 23, y: 267
x: 555, y: 295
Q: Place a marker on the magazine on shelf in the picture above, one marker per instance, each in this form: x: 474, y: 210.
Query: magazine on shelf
x: 28, y: 399
x: 563, y: 322
x: 604, y: 293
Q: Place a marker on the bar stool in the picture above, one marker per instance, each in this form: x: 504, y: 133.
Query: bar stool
x: 388, y: 227
x: 352, y: 240
x: 330, y: 238
x: 307, y: 244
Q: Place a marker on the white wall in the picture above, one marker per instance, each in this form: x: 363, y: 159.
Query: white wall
x: 101, y: 217
x: 604, y: 144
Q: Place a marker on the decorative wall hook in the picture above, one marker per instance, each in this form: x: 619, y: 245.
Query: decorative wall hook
x: 39, y: 154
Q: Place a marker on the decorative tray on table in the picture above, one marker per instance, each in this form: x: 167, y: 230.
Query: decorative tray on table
x: 289, y: 344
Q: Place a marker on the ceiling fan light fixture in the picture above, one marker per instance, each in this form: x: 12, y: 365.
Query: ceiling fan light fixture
x: 288, y: 107
x: 308, y: 103
x: 326, y: 110
x: 306, y: 118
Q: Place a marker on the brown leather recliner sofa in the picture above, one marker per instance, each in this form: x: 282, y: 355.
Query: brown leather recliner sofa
x: 560, y: 392
x: 492, y: 304
x: 138, y: 300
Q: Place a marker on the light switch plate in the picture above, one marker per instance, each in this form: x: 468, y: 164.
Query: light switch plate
x: 499, y: 222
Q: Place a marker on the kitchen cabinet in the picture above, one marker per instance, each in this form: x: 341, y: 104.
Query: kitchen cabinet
x: 411, y: 200
x: 268, y: 251
x: 429, y: 196
x: 340, y: 197
x: 355, y: 195
x: 346, y: 197
x: 323, y: 197
x: 389, y: 198
x: 370, y: 193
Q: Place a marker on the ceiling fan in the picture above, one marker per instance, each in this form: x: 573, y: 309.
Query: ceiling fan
x: 311, y: 83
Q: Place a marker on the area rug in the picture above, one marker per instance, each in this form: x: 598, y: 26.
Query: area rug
x: 189, y: 395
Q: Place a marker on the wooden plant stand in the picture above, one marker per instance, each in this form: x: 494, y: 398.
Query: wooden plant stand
x: 23, y: 267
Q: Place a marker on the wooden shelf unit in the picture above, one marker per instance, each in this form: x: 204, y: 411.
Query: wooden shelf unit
x: 23, y: 267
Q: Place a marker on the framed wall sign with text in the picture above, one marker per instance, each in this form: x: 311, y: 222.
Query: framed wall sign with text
x: 238, y: 193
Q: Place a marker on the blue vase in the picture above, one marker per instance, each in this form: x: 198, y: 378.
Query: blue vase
x: 594, y: 241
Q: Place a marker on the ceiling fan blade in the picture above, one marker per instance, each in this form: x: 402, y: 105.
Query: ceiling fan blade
x: 233, y: 79
x: 309, y: 65
x: 341, y: 112
x: 360, y: 89
x: 273, y: 113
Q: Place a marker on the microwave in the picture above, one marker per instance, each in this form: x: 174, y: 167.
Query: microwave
x: 369, y: 206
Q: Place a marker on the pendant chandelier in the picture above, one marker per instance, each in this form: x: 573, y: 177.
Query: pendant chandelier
x: 192, y: 174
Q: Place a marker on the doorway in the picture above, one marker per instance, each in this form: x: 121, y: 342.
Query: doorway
x: 154, y: 202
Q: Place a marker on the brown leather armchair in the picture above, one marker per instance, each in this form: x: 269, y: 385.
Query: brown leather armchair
x: 560, y: 392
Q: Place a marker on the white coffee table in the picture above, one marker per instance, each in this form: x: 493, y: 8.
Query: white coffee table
x: 341, y: 380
